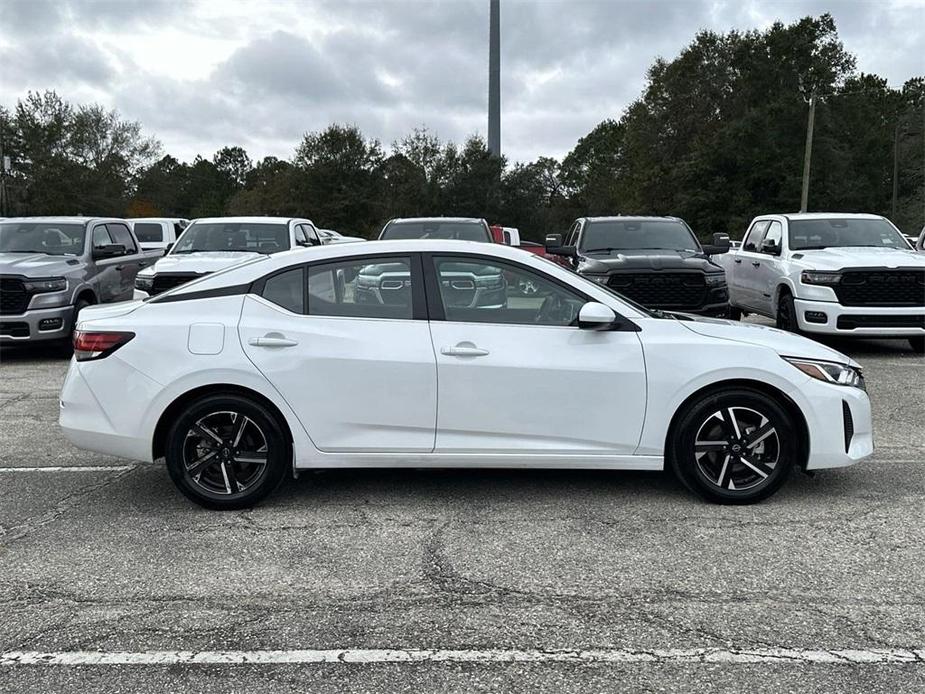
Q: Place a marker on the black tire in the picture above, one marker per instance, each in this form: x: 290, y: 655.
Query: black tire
x: 720, y: 473
x: 918, y: 344
x: 787, y: 314
x: 735, y: 313
x: 209, y: 426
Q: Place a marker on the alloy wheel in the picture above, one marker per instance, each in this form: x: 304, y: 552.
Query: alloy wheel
x: 225, y: 453
x: 737, y: 448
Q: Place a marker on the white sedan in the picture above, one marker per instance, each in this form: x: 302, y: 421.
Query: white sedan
x: 414, y: 354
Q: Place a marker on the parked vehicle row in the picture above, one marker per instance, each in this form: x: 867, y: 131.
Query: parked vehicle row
x: 383, y: 354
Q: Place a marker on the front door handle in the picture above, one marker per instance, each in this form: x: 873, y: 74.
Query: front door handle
x: 756, y: 263
x: 272, y: 341
x: 464, y: 350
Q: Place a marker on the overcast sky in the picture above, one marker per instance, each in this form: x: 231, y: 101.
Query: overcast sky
x: 200, y: 75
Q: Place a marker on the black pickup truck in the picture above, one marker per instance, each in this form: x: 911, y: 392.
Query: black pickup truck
x: 655, y: 261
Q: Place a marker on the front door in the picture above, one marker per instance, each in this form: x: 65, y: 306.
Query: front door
x: 349, y: 351
x: 515, y: 373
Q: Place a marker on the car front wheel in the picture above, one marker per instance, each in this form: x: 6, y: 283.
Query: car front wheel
x: 733, y: 446
x: 226, y: 451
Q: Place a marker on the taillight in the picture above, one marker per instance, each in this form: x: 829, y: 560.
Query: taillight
x: 96, y: 345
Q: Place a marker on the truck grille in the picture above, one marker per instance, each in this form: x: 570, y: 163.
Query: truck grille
x: 881, y: 288
x: 662, y: 289
x: 168, y: 281
x: 13, y: 296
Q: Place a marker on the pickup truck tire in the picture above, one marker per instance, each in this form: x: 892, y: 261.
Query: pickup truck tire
x: 917, y: 344
x: 787, y: 313
x: 733, y: 446
x: 226, y: 451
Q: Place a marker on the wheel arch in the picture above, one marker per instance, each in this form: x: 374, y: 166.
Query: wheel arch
x: 159, y: 439
x: 766, y: 389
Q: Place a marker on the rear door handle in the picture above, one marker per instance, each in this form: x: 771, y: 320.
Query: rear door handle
x: 272, y: 341
x: 463, y: 351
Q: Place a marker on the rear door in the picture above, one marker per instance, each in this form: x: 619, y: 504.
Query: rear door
x: 355, y: 363
x: 517, y: 375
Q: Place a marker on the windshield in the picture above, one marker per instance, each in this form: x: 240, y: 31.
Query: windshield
x: 437, y: 229
x: 50, y: 238
x: 241, y: 237
x: 805, y: 234
x: 633, y: 235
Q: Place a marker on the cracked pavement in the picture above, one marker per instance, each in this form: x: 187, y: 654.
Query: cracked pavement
x: 117, y: 560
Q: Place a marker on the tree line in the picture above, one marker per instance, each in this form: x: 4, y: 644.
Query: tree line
x: 716, y: 137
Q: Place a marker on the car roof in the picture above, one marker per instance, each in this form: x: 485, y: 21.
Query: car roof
x: 65, y: 219
x: 436, y: 219
x: 248, y: 220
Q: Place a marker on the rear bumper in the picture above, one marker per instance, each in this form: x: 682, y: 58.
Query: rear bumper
x: 28, y: 327
x: 860, y: 321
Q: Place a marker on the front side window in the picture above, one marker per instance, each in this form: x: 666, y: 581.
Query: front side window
x: 149, y: 232
x: 241, y: 237
x: 50, y: 238
x: 437, y: 229
x: 753, y: 238
x: 485, y: 291
x: 614, y: 235
x: 362, y: 288
x: 807, y: 234
x: 287, y: 289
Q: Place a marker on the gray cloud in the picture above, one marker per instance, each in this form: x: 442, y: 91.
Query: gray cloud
x: 269, y: 74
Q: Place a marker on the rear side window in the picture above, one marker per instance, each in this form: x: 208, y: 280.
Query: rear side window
x: 362, y: 288
x: 121, y: 235
x: 287, y: 289
x: 753, y: 238
x: 149, y: 232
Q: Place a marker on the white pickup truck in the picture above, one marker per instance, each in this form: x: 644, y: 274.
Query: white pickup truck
x: 833, y: 274
x: 214, y: 243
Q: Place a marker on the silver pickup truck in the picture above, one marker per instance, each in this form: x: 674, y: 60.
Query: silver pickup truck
x: 51, y: 267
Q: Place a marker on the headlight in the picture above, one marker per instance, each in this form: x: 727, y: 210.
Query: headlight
x: 716, y: 279
x: 51, y: 284
x: 144, y: 283
x: 829, y: 371
x: 817, y: 277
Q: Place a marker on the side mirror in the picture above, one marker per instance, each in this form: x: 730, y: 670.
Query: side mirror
x: 770, y: 247
x: 110, y: 250
x: 595, y: 316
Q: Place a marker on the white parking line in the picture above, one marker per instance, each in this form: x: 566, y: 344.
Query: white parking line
x: 70, y: 468
x: 375, y: 655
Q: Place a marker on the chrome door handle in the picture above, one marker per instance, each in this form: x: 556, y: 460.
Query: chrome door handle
x: 460, y: 351
x: 271, y: 341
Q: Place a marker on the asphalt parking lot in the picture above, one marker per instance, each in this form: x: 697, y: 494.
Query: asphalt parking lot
x: 524, y: 576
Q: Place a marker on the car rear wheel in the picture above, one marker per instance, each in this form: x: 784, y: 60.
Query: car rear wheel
x: 733, y: 446
x: 917, y: 344
x: 226, y: 452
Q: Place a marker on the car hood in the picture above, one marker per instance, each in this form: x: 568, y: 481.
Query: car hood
x: 37, y: 264
x: 838, y: 258
x: 201, y: 263
x: 782, y: 342
x: 646, y: 260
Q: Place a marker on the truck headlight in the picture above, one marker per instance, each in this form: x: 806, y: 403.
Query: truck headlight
x: 48, y: 284
x: 829, y: 371
x: 716, y: 279
x: 144, y: 283
x: 818, y: 277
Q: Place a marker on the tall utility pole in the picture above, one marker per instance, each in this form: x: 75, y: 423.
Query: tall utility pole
x: 494, y: 78
x: 808, y: 154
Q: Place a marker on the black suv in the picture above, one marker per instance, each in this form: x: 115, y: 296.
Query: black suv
x: 655, y: 261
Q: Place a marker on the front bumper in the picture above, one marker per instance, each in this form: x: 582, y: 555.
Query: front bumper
x: 860, y: 321
x: 29, y: 326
